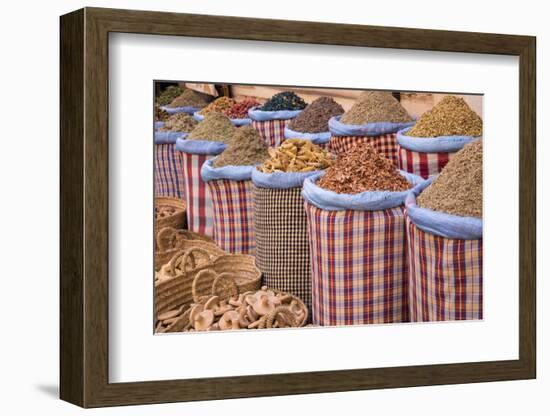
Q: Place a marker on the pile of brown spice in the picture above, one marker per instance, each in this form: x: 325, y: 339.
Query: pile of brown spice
x: 246, y: 148
x: 458, y: 190
x: 219, y: 105
x: 363, y: 169
x: 215, y: 127
x: 296, y: 155
x: 179, y: 122
x: 315, y: 117
x: 450, y: 117
x: 160, y: 114
x: 191, y: 98
x: 374, y: 107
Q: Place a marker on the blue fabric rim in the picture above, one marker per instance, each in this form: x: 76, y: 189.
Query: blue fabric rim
x: 200, y: 147
x: 230, y: 172
x: 364, y: 201
x: 174, y: 110
x: 280, y: 180
x: 235, y: 121
x: 168, y: 137
x: 440, y: 223
x: 315, y: 138
x: 440, y: 144
x: 259, y: 115
x: 338, y: 128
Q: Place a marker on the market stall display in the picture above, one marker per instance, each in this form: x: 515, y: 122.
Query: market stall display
x: 228, y: 177
x: 375, y: 118
x: 445, y: 241
x: 207, y: 140
x: 271, y: 119
x: 312, y: 123
x: 282, y: 250
x: 427, y: 147
x: 357, y: 240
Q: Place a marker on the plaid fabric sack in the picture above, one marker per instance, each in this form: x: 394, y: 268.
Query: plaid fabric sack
x: 427, y: 156
x: 358, y: 251
x: 271, y: 124
x: 197, y: 197
x: 168, y: 166
x: 382, y: 136
x: 445, y: 264
x: 230, y: 189
x: 280, y: 226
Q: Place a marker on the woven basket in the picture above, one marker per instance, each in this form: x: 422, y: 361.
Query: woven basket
x: 170, y: 241
x: 176, y: 220
x: 208, y: 283
x: 177, y: 290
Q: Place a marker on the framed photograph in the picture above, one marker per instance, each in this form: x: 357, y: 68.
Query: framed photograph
x: 257, y: 207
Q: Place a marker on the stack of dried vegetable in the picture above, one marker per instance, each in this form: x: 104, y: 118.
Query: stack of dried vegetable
x: 296, y: 155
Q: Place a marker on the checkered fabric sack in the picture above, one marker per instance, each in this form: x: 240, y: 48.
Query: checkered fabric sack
x: 197, y: 197
x: 231, y: 193
x: 382, y: 136
x: 280, y: 226
x: 420, y: 163
x: 358, y: 252
x: 445, y: 264
x: 168, y: 167
x: 427, y: 156
x: 271, y: 124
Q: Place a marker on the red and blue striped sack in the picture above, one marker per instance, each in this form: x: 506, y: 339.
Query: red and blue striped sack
x: 382, y: 136
x: 231, y: 193
x: 445, y: 263
x: 168, y: 166
x: 197, y: 196
x: 271, y: 124
x: 358, y: 251
x: 427, y: 156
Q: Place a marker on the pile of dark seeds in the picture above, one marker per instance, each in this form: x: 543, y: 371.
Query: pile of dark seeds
x: 286, y: 100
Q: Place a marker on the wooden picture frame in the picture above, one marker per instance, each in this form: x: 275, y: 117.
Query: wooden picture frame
x: 84, y: 207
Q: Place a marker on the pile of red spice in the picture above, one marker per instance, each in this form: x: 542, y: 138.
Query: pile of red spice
x: 363, y: 169
x: 240, y: 109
